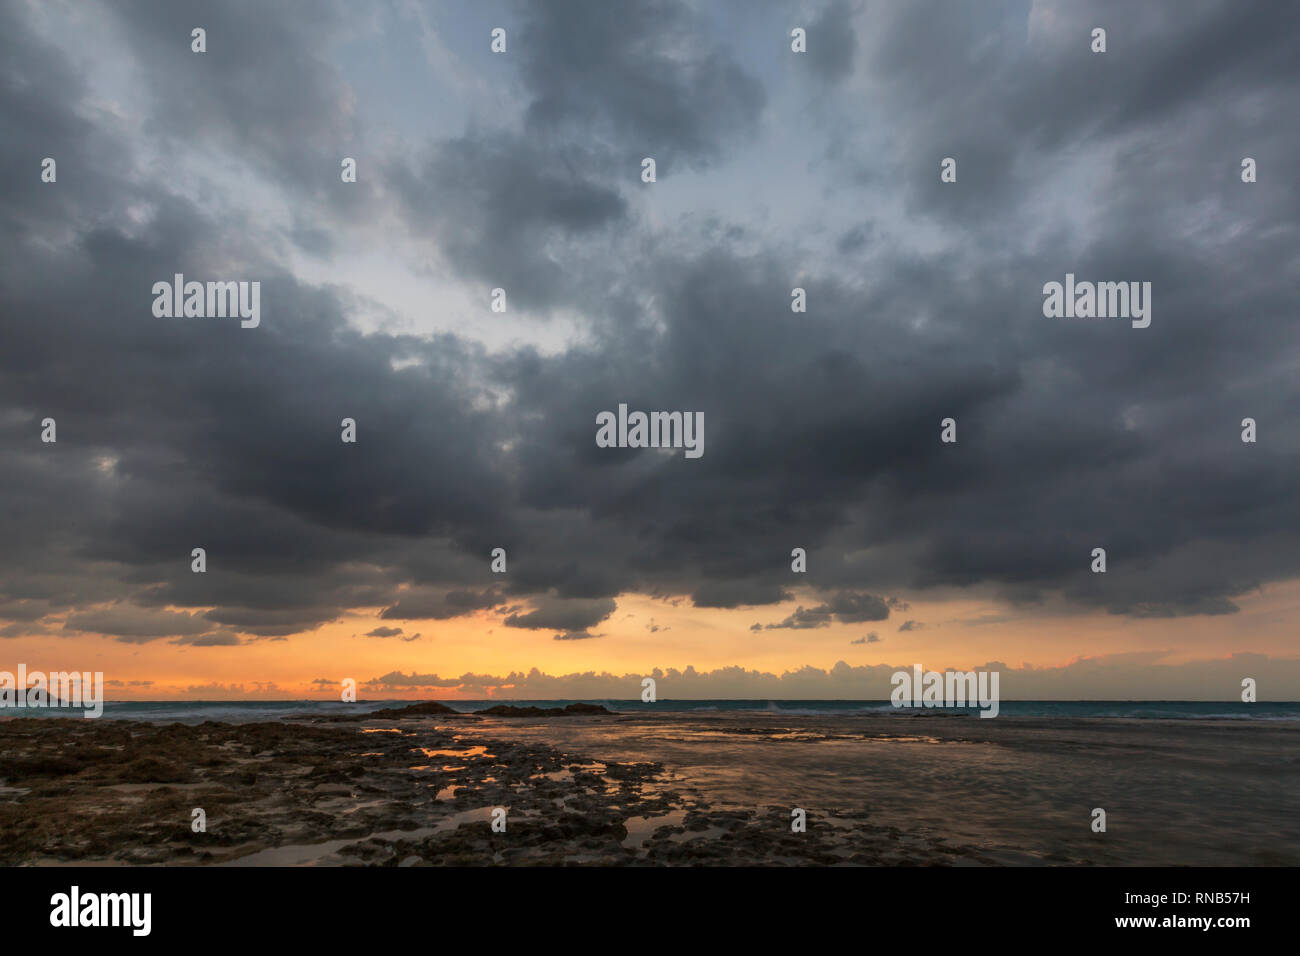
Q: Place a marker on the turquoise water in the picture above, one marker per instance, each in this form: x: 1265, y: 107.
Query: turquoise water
x: 238, y: 711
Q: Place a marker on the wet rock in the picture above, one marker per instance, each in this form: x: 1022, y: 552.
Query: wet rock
x: 572, y: 710
x: 426, y: 708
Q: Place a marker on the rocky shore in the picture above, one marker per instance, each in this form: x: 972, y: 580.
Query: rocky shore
x: 393, y: 789
x: 423, y: 786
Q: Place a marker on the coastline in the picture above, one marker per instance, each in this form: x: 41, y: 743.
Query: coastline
x: 637, y: 789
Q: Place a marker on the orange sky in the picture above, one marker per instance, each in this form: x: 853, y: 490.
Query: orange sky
x: 955, y: 632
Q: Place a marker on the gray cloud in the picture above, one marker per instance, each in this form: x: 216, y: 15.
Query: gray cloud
x: 832, y: 42
x: 396, y: 680
x: 137, y: 625
x: 210, y: 639
x: 439, y: 606
x: 1131, y: 676
x: 845, y: 607
x: 822, y: 428
x: 641, y: 74
x: 570, y: 615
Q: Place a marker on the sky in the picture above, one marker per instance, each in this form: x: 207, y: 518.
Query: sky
x: 476, y: 429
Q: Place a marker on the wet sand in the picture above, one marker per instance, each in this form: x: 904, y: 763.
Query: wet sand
x: 651, y: 790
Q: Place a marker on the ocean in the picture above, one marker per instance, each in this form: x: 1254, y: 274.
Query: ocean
x: 705, y: 781
x: 197, y: 711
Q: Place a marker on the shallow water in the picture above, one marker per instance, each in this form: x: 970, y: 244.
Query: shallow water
x: 1175, y: 792
x: 241, y: 711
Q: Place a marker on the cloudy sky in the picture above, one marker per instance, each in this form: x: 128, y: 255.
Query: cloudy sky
x: 475, y: 429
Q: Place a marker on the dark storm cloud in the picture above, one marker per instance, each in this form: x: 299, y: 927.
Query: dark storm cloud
x: 738, y: 593
x: 271, y: 622
x: 24, y: 629
x: 504, y: 208
x: 263, y: 92
x: 136, y: 625
x: 804, y: 618
x: 425, y: 603
x: 24, y: 610
x: 832, y: 42
x: 856, y: 608
x: 211, y: 639
x: 642, y: 75
x: 1181, y: 94
x: 570, y: 615
x: 821, y: 428
x: 845, y: 607
x: 39, y: 90
x: 607, y: 85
